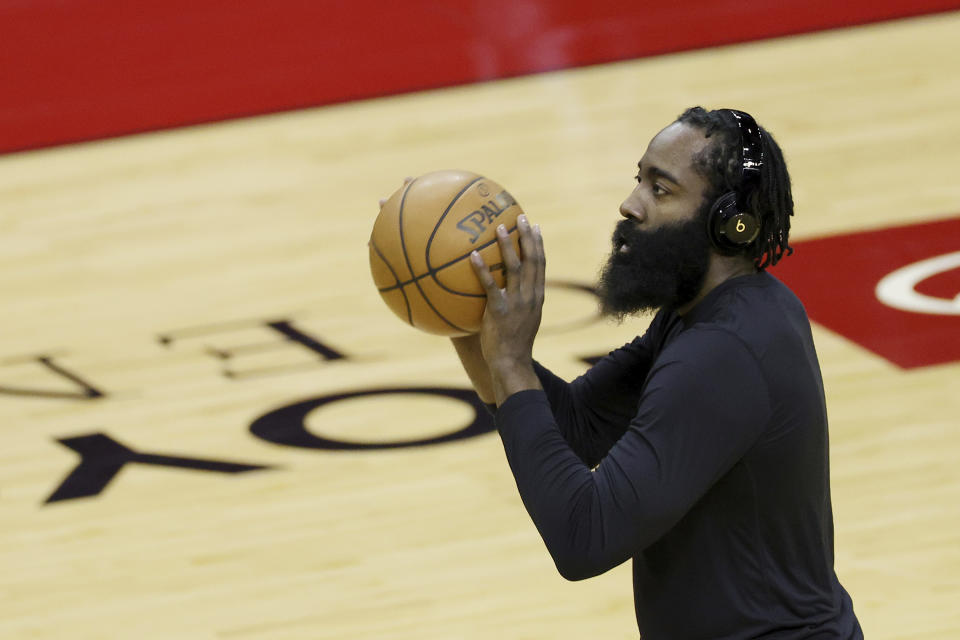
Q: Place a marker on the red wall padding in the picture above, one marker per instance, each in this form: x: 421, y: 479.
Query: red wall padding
x: 74, y: 70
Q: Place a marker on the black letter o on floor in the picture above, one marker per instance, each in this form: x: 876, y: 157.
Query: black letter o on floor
x: 287, y: 425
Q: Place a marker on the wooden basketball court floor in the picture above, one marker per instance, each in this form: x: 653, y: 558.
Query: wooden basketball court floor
x: 164, y: 292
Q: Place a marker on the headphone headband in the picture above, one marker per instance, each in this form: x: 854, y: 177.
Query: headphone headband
x: 751, y: 145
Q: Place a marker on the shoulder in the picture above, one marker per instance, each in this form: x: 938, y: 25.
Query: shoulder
x: 761, y: 296
x: 710, y: 368
x: 758, y: 309
x: 709, y: 348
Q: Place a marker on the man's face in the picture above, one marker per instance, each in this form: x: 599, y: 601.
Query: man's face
x: 660, y: 250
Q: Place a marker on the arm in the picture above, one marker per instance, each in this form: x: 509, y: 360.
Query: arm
x: 703, y: 407
x: 471, y: 357
x: 594, y: 410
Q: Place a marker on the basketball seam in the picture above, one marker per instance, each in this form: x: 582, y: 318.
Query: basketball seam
x: 403, y: 249
x: 433, y: 234
x: 426, y: 256
x: 373, y: 245
x: 431, y: 272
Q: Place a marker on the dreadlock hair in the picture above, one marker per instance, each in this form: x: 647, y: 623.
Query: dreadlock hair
x: 720, y: 163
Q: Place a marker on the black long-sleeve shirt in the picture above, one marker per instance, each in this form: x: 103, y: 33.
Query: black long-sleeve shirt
x: 700, y: 451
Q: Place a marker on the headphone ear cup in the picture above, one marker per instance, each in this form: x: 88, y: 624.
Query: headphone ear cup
x: 721, y: 210
x: 730, y: 230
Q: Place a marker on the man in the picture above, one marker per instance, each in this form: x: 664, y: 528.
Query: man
x: 700, y: 449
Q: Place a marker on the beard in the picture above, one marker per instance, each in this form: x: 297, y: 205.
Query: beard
x: 651, y: 270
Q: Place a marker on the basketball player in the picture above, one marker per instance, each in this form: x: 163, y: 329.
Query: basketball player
x: 699, y: 450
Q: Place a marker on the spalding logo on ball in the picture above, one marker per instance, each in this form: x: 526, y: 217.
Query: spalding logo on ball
x: 421, y: 244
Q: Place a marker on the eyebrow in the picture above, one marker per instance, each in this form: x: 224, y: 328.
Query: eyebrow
x: 660, y: 173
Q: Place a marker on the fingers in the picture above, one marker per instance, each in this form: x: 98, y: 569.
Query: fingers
x: 526, y: 276
x: 483, y: 274
x: 406, y: 181
x: 531, y: 255
x: 511, y: 261
x: 540, y: 282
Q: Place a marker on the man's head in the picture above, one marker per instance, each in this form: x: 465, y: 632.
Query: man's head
x: 661, y: 250
x: 721, y: 164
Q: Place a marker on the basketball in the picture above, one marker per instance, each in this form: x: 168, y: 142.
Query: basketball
x: 421, y: 244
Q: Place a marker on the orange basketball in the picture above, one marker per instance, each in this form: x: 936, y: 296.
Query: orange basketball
x: 421, y: 244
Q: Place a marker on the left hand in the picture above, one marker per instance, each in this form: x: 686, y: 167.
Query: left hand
x: 512, y: 315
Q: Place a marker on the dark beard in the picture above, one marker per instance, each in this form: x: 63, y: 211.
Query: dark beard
x: 662, y: 269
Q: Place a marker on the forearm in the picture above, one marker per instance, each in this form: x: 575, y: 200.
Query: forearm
x: 471, y: 357
x: 558, y: 490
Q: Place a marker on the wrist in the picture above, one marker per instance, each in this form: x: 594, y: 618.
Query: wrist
x: 507, y: 363
x: 513, y: 376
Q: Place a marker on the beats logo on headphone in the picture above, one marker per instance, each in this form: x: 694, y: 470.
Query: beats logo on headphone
x: 730, y: 227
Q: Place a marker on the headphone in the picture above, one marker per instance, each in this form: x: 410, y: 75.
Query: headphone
x: 732, y: 229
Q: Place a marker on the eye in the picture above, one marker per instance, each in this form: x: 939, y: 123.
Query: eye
x: 657, y: 188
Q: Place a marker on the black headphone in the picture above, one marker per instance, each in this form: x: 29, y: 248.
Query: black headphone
x: 732, y: 229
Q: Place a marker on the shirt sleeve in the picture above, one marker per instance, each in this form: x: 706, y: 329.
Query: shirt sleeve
x: 593, y: 411
x: 704, y: 405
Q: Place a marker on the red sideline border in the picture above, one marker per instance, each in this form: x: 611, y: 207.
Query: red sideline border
x: 74, y: 70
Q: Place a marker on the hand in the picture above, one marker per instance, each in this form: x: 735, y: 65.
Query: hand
x: 406, y: 181
x: 512, y: 315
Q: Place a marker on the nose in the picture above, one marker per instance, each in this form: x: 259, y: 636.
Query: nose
x: 632, y: 209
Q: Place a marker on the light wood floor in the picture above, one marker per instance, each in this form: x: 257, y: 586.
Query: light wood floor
x: 205, y: 234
